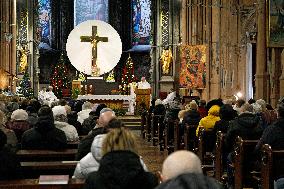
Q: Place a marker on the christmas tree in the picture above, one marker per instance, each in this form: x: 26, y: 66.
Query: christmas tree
x: 25, y: 86
x: 127, y: 76
x: 59, y: 79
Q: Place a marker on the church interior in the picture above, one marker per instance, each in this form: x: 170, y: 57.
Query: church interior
x: 198, y: 85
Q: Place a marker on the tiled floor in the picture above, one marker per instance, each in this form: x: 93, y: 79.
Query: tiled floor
x: 151, y: 155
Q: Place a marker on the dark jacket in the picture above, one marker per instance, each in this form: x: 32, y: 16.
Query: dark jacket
x: 72, y: 120
x: 191, y: 117
x: 85, y: 144
x: 44, y: 136
x: 190, y: 181
x: 159, y: 109
x: 274, y: 136
x: 89, y: 123
x: 246, y: 125
x: 10, y: 167
x: 121, y: 170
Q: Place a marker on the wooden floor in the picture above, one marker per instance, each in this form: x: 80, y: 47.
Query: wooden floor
x: 151, y: 155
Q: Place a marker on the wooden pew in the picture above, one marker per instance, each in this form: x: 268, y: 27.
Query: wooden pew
x: 73, y: 145
x: 219, y: 164
x: 242, y: 151
x: 178, y: 138
x: 47, y: 155
x: 33, y: 184
x: 190, y: 137
x: 143, y: 125
x: 156, y: 123
x: 204, y: 147
x: 35, y: 169
x: 148, y: 127
x: 270, y: 166
x: 161, y: 133
x: 169, y: 135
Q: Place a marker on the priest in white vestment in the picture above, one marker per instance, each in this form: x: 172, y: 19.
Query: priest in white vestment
x: 42, y: 95
x: 143, y: 84
x: 50, y: 95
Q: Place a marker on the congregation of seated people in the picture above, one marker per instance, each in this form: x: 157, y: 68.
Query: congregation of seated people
x: 107, y: 152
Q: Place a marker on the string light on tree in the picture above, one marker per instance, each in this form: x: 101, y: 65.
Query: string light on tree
x: 25, y: 86
x: 127, y: 77
x: 59, y: 79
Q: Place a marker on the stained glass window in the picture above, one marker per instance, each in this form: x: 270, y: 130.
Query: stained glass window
x: 141, y: 31
x: 90, y: 10
x: 44, y: 26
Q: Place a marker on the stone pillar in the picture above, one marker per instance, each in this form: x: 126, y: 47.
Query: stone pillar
x: 281, y: 79
x: 215, y: 51
x: 261, y: 56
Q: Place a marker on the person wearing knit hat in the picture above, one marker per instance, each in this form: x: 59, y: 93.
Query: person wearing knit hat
x: 44, y: 135
x: 19, y: 122
x: 61, y: 122
x: 192, y: 118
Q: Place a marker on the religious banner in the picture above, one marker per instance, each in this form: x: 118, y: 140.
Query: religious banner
x: 193, y: 66
x: 276, y: 23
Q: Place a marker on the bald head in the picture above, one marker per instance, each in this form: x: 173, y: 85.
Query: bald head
x: 105, y: 117
x: 180, y: 162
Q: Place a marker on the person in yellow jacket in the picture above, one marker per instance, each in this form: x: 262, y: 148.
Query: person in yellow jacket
x: 209, y: 121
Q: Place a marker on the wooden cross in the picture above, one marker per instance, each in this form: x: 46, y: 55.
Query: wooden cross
x: 94, y: 40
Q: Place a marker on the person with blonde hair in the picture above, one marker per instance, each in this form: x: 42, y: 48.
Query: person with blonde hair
x: 120, y: 166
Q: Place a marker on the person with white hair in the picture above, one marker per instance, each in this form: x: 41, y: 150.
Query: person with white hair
x: 61, y: 122
x: 106, y: 115
x: 180, y: 162
x: 19, y: 123
x: 143, y: 84
x: 86, y: 109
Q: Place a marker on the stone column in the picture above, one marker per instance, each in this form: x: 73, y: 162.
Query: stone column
x: 261, y: 56
x: 215, y: 51
x: 281, y: 78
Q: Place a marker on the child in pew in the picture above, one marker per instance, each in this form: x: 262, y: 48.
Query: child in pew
x: 10, y: 167
x: 120, y: 166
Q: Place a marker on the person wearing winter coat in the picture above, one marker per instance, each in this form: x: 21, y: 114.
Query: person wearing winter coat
x: 61, y: 122
x: 12, y: 140
x: 120, y: 166
x: 10, y: 167
x: 84, y: 113
x: 209, y: 121
x: 44, y: 135
x: 99, y: 127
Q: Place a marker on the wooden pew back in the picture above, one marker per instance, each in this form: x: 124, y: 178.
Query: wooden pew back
x: 219, y: 156
x: 33, y: 184
x: 243, y: 151
x: 169, y: 135
x: 35, y: 169
x: 157, y: 128
x: 190, y: 139
x: 47, y: 155
x: 271, y: 161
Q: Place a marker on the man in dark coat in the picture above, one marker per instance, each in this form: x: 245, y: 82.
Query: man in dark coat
x: 10, y: 167
x: 44, y: 135
x: 246, y: 125
x: 85, y: 144
x: 274, y: 136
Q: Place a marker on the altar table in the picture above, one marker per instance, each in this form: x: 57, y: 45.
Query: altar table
x: 112, y: 101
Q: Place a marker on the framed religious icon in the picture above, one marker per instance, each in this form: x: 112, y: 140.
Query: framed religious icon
x: 166, y: 63
x: 275, y: 23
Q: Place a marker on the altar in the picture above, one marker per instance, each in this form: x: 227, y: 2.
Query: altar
x: 112, y: 101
